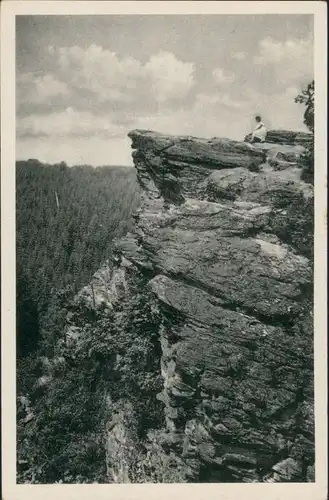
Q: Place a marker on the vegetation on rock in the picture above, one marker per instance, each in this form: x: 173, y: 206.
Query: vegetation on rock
x: 307, y: 158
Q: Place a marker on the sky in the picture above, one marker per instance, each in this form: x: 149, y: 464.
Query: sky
x: 83, y: 82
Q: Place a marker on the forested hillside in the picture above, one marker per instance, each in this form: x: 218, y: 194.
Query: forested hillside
x: 66, y: 220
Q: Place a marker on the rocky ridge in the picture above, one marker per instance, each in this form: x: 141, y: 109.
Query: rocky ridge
x: 223, y: 246
x: 286, y: 137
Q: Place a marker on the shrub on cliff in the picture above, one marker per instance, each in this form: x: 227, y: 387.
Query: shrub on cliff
x: 307, y: 98
x: 307, y: 158
x: 115, y: 357
x: 139, y: 349
x: 63, y: 442
x: 307, y: 163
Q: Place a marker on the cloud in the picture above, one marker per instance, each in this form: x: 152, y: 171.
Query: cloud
x: 100, y: 71
x: 221, y: 77
x: 100, y: 81
x: 123, y: 78
x: 34, y: 89
x: 292, y: 59
x: 239, y: 56
x: 169, y: 77
x: 68, y: 123
x: 48, y: 86
x: 218, y: 100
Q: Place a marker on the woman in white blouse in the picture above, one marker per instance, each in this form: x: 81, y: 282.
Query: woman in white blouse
x: 259, y: 133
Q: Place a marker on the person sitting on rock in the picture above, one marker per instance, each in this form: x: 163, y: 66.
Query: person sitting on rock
x: 259, y: 133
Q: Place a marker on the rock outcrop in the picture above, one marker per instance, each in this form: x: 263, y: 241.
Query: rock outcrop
x: 223, y: 245
x: 284, y: 137
x: 283, y: 148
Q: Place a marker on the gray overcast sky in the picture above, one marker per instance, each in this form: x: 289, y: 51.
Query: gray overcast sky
x: 84, y: 81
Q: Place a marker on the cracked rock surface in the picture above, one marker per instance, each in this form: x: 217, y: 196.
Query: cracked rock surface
x: 220, y: 239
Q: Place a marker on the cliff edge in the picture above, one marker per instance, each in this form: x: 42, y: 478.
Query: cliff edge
x: 221, y: 253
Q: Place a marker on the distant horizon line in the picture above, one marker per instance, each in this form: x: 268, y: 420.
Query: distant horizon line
x: 26, y: 160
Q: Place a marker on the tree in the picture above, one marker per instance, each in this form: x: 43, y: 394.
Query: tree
x: 307, y: 158
x: 27, y: 318
x: 307, y: 98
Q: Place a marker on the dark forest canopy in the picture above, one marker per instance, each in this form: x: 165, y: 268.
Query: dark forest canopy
x: 66, y: 220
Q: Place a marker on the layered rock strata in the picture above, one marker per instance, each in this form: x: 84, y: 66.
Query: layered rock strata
x: 288, y: 137
x: 230, y: 274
